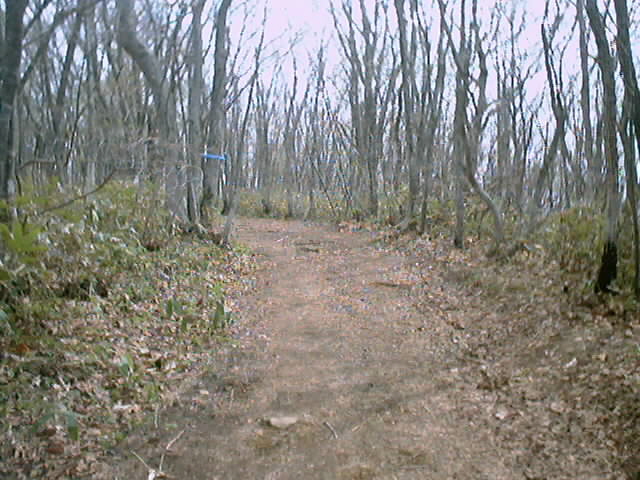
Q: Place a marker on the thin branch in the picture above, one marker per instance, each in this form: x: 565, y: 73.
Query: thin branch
x: 79, y: 197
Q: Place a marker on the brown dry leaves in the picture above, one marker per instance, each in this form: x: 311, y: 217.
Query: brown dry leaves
x: 110, y: 363
x: 557, y: 366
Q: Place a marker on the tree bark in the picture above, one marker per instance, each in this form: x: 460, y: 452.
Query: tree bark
x: 585, y: 104
x: 196, y: 87
x: 632, y: 107
x: 608, y: 270
x: 433, y: 114
x: 215, y: 141
x: 407, y: 66
x: 9, y: 80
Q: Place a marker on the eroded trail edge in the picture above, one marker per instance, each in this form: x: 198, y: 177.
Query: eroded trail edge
x: 338, y: 377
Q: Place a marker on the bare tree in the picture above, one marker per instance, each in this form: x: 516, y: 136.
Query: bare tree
x: 386, y: 125
x: 265, y: 143
x: 631, y: 124
x: 291, y: 134
x: 369, y: 91
x: 163, y: 101
x: 409, y: 104
x: 196, y: 88
x: 58, y: 120
x: 11, y: 48
x: 462, y: 57
x: 215, y: 139
x: 609, y: 263
x: 468, y: 133
x: 554, y: 81
x: 431, y: 114
x: 586, y: 139
x: 515, y: 113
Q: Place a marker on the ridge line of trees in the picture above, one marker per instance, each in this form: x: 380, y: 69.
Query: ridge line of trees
x: 418, y: 103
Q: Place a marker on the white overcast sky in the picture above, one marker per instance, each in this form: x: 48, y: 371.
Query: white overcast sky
x: 313, y: 17
x: 311, y: 23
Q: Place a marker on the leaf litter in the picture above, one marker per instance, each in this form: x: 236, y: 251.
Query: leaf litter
x: 68, y: 399
x: 553, y: 375
x: 557, y: 365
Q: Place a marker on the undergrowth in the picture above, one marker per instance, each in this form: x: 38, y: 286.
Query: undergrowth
x: 571, y: 240
x: 102, y: 303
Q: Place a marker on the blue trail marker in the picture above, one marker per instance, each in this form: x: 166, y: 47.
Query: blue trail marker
x: 210, y: 156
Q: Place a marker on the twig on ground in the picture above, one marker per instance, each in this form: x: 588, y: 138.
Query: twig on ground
x: 153, y: 473
x: 156, y: 415
x: 143, y: 462
x: 168, y: 448
x: 170, y: 444
x: 328, y: 425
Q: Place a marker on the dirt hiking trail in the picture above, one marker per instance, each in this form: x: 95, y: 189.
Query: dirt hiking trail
x: 336, y: 376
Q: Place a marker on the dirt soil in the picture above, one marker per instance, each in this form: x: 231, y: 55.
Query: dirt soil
x: 336, y: 371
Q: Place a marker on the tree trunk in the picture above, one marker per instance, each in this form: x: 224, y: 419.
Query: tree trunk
x: 433, y: 120
x: 585, y: 105
x: 11, y: 50
x: 632, y: 105
x: 58, y: 119
x: 215, y: 141
x: 196, y: 87
x: 462, y: 58
x: 165, y: 105
x: 608, y: 270
x: 407, y: 64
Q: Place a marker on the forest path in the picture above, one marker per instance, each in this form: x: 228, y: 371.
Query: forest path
x: 334, y: 345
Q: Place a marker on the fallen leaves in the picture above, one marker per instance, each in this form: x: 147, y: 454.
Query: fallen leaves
x: 112, y: 361
x: 556, y: 365
x: 55, y: 448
